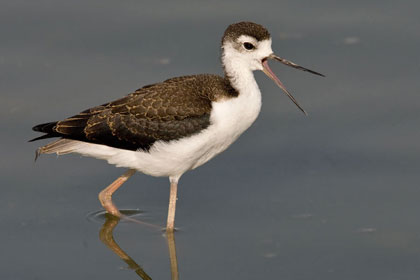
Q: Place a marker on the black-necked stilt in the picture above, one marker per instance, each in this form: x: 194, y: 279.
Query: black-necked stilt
x: 168, y: 128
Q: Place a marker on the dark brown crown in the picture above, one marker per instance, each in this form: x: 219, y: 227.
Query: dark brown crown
x: 246, y: 28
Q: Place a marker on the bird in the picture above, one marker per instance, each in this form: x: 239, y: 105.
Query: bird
x: 168, y: 128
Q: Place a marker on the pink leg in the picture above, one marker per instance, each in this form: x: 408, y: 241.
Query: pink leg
x: 105, y: 196
x: 172, y: 205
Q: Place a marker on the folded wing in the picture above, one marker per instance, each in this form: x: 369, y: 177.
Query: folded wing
x: 165, y: 111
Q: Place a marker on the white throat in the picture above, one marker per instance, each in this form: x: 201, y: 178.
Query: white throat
x: 239, y: 64
x: 238, y: 72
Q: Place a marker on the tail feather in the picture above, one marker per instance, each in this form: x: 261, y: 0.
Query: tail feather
x: 66, y: 146
x: 59, y: 147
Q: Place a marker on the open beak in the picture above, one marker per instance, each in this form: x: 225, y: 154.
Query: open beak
x: 271, y: 75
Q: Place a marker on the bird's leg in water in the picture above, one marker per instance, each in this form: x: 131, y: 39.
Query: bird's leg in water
x: 105, y: 196
x: 172, y: 204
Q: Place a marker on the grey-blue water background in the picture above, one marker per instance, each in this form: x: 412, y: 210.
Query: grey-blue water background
x: 331, y: 196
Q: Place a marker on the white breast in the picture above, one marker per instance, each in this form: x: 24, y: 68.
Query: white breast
x: 228, y: 120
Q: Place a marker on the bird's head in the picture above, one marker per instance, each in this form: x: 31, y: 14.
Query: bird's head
x: 247, y: 46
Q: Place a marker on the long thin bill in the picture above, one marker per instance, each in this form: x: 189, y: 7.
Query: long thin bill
x: 294, y: 65
x: 271, y: 75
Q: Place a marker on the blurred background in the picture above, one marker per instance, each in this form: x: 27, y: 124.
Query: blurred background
x: 331, y: 196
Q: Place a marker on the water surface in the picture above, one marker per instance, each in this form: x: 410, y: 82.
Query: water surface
x: 329, y: 196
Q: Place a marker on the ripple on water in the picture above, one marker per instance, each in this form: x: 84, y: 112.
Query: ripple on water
x: 101, y: 215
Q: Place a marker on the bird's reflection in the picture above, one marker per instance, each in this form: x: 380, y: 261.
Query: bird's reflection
x: 107, y: 237
x: 172, y: 255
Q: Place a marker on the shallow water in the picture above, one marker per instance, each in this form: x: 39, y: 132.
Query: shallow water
x: 329, y: 196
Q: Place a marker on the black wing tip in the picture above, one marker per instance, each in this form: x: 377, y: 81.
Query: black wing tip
x: 47, y: 128
x: 44, y: 127
x: 45, y: 136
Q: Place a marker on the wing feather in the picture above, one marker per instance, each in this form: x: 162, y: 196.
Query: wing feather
x: 165, y: 111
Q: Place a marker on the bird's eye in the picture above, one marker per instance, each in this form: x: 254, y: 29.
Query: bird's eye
x: 248, y: 46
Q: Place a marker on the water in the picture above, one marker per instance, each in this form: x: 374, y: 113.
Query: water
x: 329, y: 196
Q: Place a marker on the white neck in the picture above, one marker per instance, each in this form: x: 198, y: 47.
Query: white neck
x: 246, y: 107
x: 239, y: 64
x: 240, y: 76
